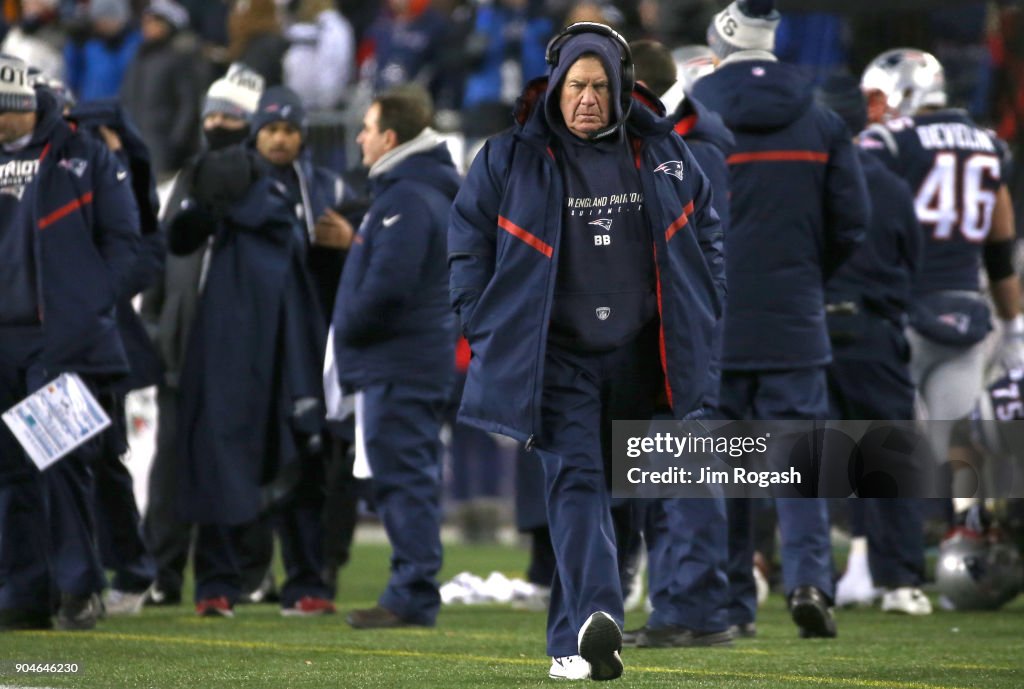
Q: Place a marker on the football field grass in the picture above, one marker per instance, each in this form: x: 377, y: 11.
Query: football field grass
x: 495, y: 646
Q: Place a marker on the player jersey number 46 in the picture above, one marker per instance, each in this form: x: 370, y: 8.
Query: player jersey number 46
x: 957, y: 195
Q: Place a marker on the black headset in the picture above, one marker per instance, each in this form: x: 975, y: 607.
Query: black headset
x: 627, y: 75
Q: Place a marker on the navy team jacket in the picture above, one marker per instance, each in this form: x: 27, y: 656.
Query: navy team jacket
x: 86, y: 240
x: 799, y: 208
x: 503, y: 254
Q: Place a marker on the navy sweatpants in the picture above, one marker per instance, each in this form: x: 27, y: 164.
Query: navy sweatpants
x: 582, y: 394
x: 47, y: 527
x: 870, y: 380
x: 803, y: 522
x: 401, y: 427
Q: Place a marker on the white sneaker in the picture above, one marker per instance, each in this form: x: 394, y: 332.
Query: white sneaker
x: 636, y: 589
x: 856, y: 587
x: 907, y: 600
x: 124, y: 602
x: 600, y: 641
x: 569, y: 667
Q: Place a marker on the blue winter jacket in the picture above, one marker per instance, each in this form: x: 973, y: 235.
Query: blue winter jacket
x: 86, y: 240
x: 503, y: 253
x: 96, y: 68
x: 879, y: 275
x: 392, y: 321
x: 799, y: 208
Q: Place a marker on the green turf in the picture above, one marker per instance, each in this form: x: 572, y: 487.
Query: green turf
x: 497, y: 647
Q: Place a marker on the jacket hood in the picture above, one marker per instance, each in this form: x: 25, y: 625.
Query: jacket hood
x: 425, y: 159
x: 757, y: 95
x: 529, y: 112
x: 573, y: 48
x: 50, y: 125
x: 695, y: 121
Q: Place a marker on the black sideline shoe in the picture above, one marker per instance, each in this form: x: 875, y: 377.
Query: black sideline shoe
x: 812, y: 613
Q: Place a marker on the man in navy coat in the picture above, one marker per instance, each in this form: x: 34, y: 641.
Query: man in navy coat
x: 588, y: 277
x: 799, y: 208
x: 395, y: 342
x: 69, y: 239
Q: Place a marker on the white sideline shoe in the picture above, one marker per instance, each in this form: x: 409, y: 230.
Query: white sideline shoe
x: 600, y: 641
x: 124, y: 602
x: 569, y: 667
x: 907, y: 600
x: 856, y: 587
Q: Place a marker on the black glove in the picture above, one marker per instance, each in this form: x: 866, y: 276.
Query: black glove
x: 223, y: 177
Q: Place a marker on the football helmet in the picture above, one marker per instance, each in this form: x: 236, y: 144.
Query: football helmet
x: 909, y: 79
x: 977, y: 570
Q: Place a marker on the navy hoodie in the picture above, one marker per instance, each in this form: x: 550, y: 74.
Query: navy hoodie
x: 799, y: 208
x: 605, y: 288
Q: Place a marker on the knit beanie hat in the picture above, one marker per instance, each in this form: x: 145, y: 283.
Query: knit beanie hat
x: 280, y: 103
x: 170, y: 11
x: 117, y: 10
x: 16, y: 91
x: 237, y: 93
x: 744, y: 25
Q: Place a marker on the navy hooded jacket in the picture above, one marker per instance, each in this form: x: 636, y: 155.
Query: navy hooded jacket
x: 143, y: 359
x: 799, y: 208
x: 255, y: 349
x: 503, y: 245
x: 85, y: 234
x: 392, y: 321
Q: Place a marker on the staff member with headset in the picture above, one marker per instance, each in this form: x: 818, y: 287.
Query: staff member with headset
x: 582, y: 238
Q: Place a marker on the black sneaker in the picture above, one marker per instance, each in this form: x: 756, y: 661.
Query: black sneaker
x: 162, y: 596
x: 78, y: 613
x: 600, y: 641
x: 682, y: 637
x: 630, y: 637
x: 812, y: 613
x: 13, y: 619
x: 747, y: 630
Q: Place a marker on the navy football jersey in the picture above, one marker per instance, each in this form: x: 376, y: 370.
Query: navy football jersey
x: 954, y: 168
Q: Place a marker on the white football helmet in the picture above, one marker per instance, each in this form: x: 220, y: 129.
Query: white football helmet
x: 909, y: 79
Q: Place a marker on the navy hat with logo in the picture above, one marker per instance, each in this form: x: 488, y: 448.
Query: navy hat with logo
x: 277, y: 104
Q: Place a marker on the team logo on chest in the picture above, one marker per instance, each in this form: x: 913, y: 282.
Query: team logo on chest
x: 604, y: 223
x: 673, y: 168
x: 603, y: 312
x: 75, y: 166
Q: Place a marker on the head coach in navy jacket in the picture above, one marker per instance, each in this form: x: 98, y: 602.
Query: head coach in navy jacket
x: 799, y: 208
x: 587, y: 271
x: 69, y: 237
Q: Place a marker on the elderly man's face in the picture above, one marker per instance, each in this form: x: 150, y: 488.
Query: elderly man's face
x: 585, y: 100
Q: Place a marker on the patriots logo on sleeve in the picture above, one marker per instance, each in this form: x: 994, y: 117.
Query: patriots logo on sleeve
x: 673, y: 168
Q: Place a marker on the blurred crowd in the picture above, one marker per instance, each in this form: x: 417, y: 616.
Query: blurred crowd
x: 473, y: 57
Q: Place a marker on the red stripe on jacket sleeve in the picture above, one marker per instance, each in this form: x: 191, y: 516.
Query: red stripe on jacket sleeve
x: 65, y: 210
x: 680, y: 222
x: 778, y: 157
x: 531, y: 239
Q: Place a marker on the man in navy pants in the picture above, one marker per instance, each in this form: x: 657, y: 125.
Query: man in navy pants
x: 588, y: 277
x: 798, y: 210
x: 395, y: 344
